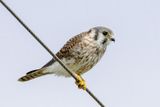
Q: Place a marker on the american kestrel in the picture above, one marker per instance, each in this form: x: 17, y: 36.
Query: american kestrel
x: 79, y: 54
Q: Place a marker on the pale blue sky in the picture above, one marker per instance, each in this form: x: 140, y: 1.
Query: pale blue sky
x: 127, y: 76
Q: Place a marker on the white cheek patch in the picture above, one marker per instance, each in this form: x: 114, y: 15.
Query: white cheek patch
x: 100, y: 39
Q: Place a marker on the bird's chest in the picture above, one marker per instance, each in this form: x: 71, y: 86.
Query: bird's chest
x: 84, y: 57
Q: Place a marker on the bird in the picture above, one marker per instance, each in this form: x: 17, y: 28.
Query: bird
x: 79, y: 54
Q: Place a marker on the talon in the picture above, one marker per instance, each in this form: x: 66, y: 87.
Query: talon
x: 81, y: 83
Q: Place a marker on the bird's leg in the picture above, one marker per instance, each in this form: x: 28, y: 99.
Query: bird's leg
x: 80, y: 82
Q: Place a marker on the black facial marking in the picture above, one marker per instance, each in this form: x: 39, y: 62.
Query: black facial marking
x: 105, y: 33
x: 96, y: 35
x: 104, y: 41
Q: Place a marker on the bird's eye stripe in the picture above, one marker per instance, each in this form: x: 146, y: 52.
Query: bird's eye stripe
x: 104, y: 41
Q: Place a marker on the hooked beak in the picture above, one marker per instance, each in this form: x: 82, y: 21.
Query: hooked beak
x: 112, y: 39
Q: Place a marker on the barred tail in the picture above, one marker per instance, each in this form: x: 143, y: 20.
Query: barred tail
x: 32, y: 74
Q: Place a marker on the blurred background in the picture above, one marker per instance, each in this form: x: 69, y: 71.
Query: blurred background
x: 128, y: 75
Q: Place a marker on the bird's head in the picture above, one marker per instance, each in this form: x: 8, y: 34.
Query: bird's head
x: 102, y: 35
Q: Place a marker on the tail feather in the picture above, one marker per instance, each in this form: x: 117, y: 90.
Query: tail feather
x: 32, y: 74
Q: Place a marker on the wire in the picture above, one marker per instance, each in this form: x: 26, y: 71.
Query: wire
x: 51, y: 53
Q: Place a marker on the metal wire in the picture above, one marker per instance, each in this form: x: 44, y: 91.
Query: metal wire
x: 51, y: 53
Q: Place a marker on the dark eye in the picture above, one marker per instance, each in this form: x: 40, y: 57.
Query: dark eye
x: 105, y: 33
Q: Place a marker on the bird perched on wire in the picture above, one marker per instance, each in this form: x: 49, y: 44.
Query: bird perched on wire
x: 79, y: 54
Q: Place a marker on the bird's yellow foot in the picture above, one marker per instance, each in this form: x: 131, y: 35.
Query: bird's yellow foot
x: 80, y: 82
